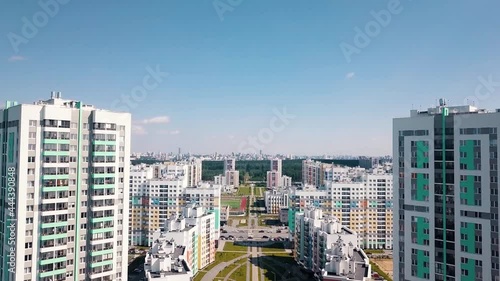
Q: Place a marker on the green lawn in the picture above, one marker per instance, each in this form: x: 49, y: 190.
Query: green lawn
x: 233, y: 203
x: 241, y: 273
x: 229, y: 246
x: 230, y: 267
x: 222, y: 257
x: 244, y: 190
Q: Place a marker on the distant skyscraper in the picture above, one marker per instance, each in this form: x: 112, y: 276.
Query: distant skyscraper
x: 64, y: 176
x: 446, y: 194
x: 231, y: 176
x: 274, y: 176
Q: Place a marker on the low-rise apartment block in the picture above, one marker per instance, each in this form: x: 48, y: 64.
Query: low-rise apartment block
x: 275, y: 200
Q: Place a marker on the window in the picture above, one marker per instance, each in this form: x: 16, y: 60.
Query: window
x: 31, y: 159
x: 74, y: 125
x: 33, y: 123
x: 73, y: 136
x: 31, y: 147
x: 32, y: 135
x: 85, y: 125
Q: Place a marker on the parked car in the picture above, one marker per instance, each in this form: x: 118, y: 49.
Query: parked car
x: 265, y: 237
x: 224, y: 231
x: 261, y: 231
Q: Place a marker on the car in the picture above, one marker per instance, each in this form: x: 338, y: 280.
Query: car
x: 222, y: 238
x: 224, y: 231
x: 278, y: 231
x: 261, y: 231
x: 250, y: 237
x: 265, y: 237
x: 137, y: 270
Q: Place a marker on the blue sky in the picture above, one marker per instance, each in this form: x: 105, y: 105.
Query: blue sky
x: 226, y: 76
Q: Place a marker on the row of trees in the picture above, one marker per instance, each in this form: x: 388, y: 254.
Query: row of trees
x: 253, y: 170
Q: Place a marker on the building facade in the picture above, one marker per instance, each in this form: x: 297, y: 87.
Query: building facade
x: 166, y: 261
x: 330, y: 250
x: 194, y: 229
x: 64, y: 212
x: 446, y: 190
x: 154, y: 200
x: 231, y: 176
x: 362, y: 203
x: 275, y: 200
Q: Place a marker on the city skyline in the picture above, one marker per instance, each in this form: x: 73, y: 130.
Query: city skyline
x: 215, y: 80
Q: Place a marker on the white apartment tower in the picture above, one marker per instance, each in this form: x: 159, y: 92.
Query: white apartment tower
x: 275, y: 176
x: 446, y: 225
x: 231, y: 176
x: 64, y: 180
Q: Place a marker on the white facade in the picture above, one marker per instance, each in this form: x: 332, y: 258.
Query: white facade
x: 153, y: 200
x: 69, y: 167
x: 166, y: 261
x: 194, y: 229
x: 326, y: 247
x: 362, y: 202
x: 275, y: 200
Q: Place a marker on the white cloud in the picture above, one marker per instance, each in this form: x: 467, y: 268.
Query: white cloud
x: 156, y: 120
x: 138, y: 130
x: 349, y: 75
x: 16, y: 58
x: 166, y: 132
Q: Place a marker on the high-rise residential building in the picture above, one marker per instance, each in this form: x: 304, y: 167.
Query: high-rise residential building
x: 231, y: 176
x: 313, y: 172
x: 327, y: 248
x: 275, y: 177
x: 154, y: 199
x: 363, y: 204
x: 194, y: 229
x: 446, y: 191
x: 64, y: 208
x: 207, y: 196
x: 276, y: 165
x: 229, y: 165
